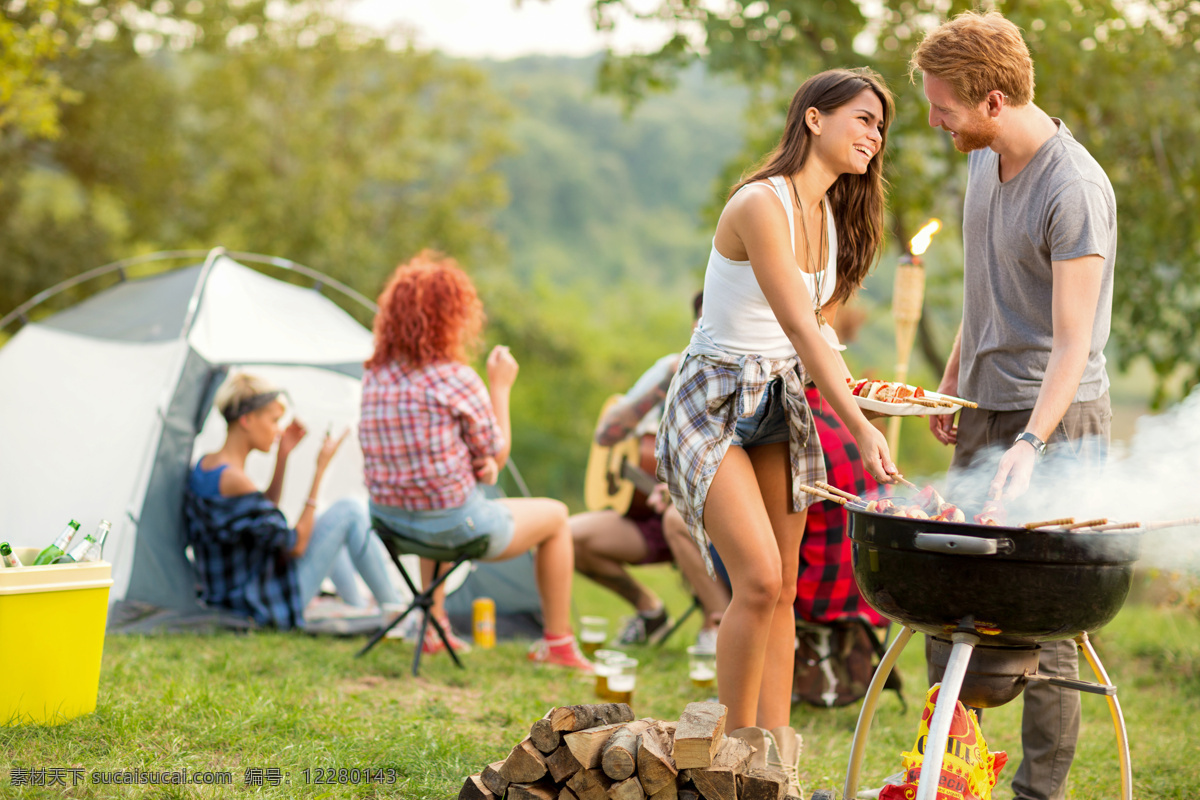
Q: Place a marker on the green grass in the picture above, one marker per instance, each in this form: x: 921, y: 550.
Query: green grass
x: 292, y: 702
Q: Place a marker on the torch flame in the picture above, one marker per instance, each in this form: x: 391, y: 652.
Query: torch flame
x: 920, y: 243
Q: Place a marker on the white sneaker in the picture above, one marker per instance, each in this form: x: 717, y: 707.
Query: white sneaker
x: 406, y: 630
x: 706, y: 640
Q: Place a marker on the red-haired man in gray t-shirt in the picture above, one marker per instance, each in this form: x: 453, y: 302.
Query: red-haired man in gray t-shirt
x: 1040, y: 240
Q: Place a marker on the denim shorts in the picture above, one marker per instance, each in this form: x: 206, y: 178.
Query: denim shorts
x: 769, y: 424
x: 452, y: 527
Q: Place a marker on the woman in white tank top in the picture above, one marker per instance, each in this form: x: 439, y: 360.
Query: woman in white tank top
x: 736, y: 437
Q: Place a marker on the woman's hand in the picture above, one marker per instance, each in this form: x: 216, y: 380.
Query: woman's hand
x: 329, y: 448
x: 486, y: 470
x: 502, y: 368
x: 874, y: 449
x: 291, y: 437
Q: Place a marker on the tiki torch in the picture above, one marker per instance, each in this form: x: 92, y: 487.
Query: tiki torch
x: 908, y: 294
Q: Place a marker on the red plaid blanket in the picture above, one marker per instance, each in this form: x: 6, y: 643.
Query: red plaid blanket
x: 825, y: 588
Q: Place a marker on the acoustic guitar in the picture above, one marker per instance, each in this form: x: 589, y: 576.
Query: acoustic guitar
x: 620, y: 477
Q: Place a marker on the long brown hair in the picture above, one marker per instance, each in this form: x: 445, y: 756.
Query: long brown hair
x: 856, y: 201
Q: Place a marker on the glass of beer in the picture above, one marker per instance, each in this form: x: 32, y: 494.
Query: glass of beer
x: 702, y: 667
x: 602, y: 663
x: 622, y: 679
x: 592, y: 634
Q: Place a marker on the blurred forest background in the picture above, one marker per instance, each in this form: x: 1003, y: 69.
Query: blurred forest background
x: 580, y: 193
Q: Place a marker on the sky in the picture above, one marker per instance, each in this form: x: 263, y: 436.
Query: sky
x: 504, y: 28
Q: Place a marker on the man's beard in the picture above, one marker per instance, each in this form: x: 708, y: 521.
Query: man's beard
x: 977, y: 137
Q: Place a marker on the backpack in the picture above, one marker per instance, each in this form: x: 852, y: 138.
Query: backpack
x: 835, y: 663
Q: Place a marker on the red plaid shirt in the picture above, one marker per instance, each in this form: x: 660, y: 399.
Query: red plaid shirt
x: 420, y: 428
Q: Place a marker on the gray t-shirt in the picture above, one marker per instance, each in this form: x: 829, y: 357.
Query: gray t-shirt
x: 1060, y: 206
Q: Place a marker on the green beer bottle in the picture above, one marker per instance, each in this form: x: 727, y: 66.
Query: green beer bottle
x: 58, y: 547
x: 8, y: 556
x: 90, y: 549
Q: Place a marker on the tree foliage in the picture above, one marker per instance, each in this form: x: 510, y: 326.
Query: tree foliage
x: 35, y: 35
x: 270, y: 127
x: 1121, y: 75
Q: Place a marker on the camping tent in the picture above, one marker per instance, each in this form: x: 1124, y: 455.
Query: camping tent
x: 100, y: 406
x: 105, y: 405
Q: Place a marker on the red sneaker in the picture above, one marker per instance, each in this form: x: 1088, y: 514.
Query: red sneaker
x: 433, y: 643
x: 560, y: 651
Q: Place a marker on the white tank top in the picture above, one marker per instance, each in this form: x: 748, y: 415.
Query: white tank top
x: 736, y: 314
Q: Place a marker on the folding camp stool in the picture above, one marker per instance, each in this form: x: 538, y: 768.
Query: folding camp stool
x: 399, y: 545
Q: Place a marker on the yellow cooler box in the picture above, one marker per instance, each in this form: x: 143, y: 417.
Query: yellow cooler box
x: 51, y: 638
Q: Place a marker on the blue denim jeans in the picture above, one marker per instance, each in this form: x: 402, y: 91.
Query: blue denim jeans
x: 345, y: 528
x: 768, y: 425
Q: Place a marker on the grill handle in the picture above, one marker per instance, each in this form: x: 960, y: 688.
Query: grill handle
x: 1079, y: 686
x: 953, y: 544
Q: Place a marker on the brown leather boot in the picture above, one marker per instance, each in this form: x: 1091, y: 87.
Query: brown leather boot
x: 786, y: 753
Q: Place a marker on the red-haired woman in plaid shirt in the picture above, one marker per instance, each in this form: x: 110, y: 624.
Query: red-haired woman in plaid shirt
x: 431, y: 432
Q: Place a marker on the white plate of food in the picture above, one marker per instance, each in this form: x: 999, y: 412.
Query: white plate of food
x: 903, y: 400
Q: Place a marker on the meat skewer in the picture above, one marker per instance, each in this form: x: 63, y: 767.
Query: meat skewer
x: 841, y: 493
x: 1091, y: 523
x: 1116, y: 526
x: 841, y: 501
x: 1049, y: 523
x: 1171, y: 523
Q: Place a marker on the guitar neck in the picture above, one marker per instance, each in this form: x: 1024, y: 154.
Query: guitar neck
x: 642, y: 480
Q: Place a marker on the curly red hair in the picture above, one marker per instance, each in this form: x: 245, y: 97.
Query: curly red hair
x: 428, y: 312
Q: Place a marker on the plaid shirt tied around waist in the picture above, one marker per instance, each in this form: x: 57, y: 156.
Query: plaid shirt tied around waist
x: 711, y: 391
x: 240, y: 549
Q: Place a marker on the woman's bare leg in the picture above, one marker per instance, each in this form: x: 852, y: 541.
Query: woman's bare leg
x: 738, y: 524
x: 772, y: 467
x: 541, y: 523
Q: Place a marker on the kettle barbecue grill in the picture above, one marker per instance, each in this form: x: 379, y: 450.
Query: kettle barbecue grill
x: 989, y: 595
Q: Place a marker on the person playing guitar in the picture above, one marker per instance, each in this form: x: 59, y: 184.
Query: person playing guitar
x: 643, y: 528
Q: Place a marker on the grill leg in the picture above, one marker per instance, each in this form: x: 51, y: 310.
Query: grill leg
x: 1114, y: 706
x: 943, y: 714
x: 867, y: 713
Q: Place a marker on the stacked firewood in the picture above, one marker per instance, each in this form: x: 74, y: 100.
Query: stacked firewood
x: 600, y: 752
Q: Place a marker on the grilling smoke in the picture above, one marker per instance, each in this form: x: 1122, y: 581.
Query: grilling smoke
x: 1154, y: 477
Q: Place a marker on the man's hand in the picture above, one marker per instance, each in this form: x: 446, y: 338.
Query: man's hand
x: 486, y: 470
x: 1016, y: 468
x: 944, y: 428
x: 660, y: 499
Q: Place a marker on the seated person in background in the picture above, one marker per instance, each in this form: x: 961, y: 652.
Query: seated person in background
x: 248, y: 559
x: 652, y: 532
x: 431, y: 431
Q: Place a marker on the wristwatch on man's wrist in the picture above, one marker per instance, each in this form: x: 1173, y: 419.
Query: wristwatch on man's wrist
x: 1039, y: 446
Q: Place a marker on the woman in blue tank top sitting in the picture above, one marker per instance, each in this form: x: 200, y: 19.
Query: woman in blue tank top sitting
x: 796, y: 238
x: 247, y: 557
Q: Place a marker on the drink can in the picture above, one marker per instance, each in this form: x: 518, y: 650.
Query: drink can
x: 483, y: 615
